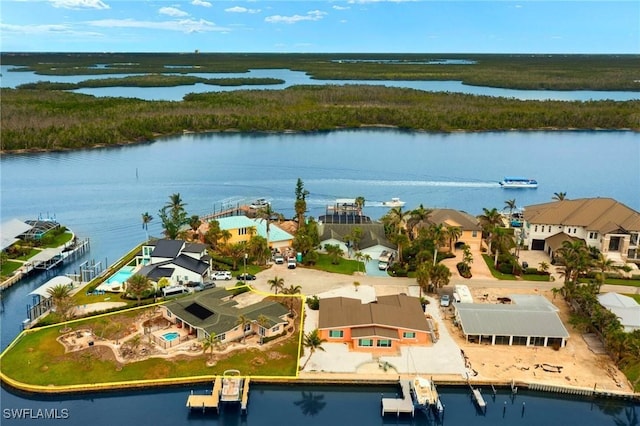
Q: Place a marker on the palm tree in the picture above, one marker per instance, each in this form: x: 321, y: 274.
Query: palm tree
x: 358, y: 256
x: 437, y: 234
x: 264, y: 323
x: 360, y: 204
x: 313, y: 342
x: 440, y: 276
x: 242, y: 321
x: 300, y: 205
x: 276, y: 284
x: 511, y: 205
x: 418, y: 215
x: 453, y: 234
x: 575, y: 259
x: 146, y: 219
x: 559, y: 196
x: 603, y: 265
x: 423, y: 276
x: 137, y: 285
x: 335, y: 252
x: 210, y: 343
x: 194, y: 222
x: 311, y: 404
x: 266, y: 214
x: 398, y: 219
x: 61, y: 299
x: 291, y: 291
x: 489, y: 220
x: 175, y: 202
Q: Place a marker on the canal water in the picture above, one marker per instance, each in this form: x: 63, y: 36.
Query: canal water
x: 102, y: 193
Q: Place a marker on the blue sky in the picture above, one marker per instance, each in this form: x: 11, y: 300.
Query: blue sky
x: 417, y: 26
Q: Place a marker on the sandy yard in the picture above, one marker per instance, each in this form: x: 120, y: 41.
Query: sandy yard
x: 581, y: 367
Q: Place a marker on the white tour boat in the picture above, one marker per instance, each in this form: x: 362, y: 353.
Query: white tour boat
x: 518, y: 182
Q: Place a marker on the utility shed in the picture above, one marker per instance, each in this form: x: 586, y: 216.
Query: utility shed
x: 532, y: 323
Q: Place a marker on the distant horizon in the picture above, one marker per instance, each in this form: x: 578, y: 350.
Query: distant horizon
x: 309, y: 53
x: 580, y: 27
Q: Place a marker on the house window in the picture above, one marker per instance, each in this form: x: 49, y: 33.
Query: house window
x: 549, y: 228
x: 409, y: 335
x: 276, y: 328
x: 474, y: 234
x: 365, y: 342
x: 242, y: 231
x: 168, y: 314
x: 247, y: 327
x: 384, y: 343
x: 535, y: 228
x: 336, y: 334
x: 593, y: 235
x: 221, y: 337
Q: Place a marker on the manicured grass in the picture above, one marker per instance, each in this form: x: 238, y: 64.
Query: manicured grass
x: 634, y: 296
x: 59, y: 240
x: 344, y: 266
x: 632, y: 372
x: 8, y: 267
x: 38, y: 359
x: 496, y: 274
x: 29, y: 255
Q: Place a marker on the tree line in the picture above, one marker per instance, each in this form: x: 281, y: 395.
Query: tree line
x: 52, y: 120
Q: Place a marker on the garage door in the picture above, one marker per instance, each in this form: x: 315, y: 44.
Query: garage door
x: 537, y: 245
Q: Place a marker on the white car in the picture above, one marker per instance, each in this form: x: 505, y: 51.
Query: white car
x: 221, y: 275
x: 291, y: 263
x: 445, y: 300
x: 278, y: 259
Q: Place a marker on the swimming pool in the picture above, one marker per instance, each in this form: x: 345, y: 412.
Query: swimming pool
x: 121, y: 276
x: 171, y: 336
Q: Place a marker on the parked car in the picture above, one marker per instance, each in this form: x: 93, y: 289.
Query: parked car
x: 204, y: 286
x: 246, y: 277
x: 445, y: 300
x: 278, y: 259
x: 221, y: 275
x: 291, y: 263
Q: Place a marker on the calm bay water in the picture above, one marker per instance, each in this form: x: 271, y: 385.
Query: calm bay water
x: 293, y: 78
x: 102, y: 193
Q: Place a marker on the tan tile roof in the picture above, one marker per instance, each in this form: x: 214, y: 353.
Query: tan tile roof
x: 451, y: 217
x: 604, y: 215
x: 396, y: 311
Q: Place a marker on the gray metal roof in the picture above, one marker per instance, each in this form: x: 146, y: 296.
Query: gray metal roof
x: 509, y: 320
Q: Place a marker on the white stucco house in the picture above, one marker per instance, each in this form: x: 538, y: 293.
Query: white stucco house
x: 179, y: 261
x: 604, y: 223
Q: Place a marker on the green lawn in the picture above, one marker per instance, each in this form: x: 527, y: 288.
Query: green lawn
x: 8, y: 267
x: 344, y: 266
x: 59, y: 240
x: 510, y: 277
x: 37, y: 358
x: 29, y: 255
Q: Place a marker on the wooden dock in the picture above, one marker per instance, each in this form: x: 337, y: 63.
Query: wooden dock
x: 221, y: 395
x: 207, y: 401
x: 402, y: 405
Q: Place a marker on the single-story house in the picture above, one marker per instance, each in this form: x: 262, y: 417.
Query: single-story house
x: 243, y: 228
x: 610, y: 226
x: 213, y: 312
x: 372, y: 238
x: 10, y: 231
x: 624, y: 307
x: 380, y: 326
x: 176, y: 260
x: 530, y: 321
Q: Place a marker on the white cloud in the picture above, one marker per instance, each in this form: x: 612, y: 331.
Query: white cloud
x: 49, y: 29
x: 240, y: 9
x: 79, y: 4
x: 336, y: 7
x: 184, y: 25
x: 313, y: 15
x: 172, y: 11
x: 201, y: 3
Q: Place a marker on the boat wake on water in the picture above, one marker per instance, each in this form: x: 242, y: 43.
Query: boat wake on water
x: 370, y: 182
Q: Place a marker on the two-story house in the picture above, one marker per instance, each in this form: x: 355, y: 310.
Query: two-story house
x: 603, y: 223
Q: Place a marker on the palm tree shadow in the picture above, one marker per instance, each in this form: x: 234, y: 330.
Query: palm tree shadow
x: 311, y: 404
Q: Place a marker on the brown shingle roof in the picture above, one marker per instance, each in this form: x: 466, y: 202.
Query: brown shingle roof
x: 397, y: 311
x: 452, y: 217
x: 360, y: 332
x: 604, y: 215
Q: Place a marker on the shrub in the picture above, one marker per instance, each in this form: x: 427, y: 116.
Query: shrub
x: 398, y: 270
x: 313, y: 303
x: 464, y: 270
